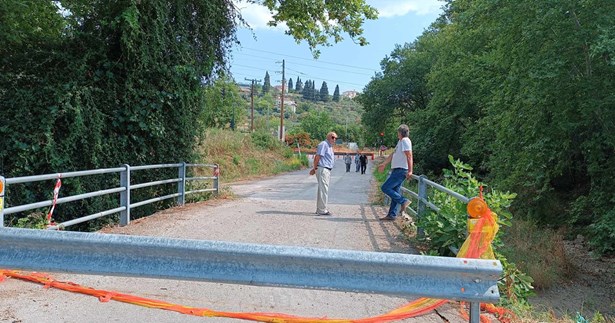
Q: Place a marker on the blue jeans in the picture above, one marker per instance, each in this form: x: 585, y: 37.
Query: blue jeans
x: 392, y: 188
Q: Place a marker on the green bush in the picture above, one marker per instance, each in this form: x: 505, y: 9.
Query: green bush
x: 448, y: 228
x: 265, y: 140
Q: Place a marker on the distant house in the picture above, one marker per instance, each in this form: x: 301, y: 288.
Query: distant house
x: 289, y: 105
x: 350, y: 94
x: 244, y: 90
x: 279, y: 88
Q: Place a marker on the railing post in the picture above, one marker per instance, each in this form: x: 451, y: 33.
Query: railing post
x: 181, y: 185
x: 125, y: 195
x: 421, y: 205
x: 217, y: 180
x: 474, y: 312
x: 2, y: 186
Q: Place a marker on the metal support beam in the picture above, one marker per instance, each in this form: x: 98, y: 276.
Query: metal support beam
x: 473, y: 280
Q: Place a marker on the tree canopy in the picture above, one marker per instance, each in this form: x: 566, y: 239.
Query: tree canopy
x: 521, y: 89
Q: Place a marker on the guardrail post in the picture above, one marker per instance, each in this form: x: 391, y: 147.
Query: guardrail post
x: 421, y: 206
x: 474, y: 312
x: 125, y: 195
x: 217, y: 180
x: 181, y: 185
x: 2, y: 186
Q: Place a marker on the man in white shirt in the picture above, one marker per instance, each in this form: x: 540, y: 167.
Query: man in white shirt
x: 324, y: 160
x: 401, y: 169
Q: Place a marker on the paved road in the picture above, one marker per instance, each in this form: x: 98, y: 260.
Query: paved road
x: 279, y: 211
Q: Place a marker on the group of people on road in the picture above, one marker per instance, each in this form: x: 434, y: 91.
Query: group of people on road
x: 360, y: 161
x: 401, y: 169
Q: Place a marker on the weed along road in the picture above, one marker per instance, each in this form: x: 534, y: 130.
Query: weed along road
x: 278, y: 211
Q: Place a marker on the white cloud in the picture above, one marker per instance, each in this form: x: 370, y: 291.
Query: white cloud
x: 257, y: 16
x: 392, y: 8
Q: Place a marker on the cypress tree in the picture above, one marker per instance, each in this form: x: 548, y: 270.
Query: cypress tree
x: 290, y: 85
x: 266, y: 83
x: 336, y: 94
x: 324, y: 92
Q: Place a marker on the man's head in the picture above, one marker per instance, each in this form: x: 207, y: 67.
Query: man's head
x: 403, y: 131
x: 332, y: 137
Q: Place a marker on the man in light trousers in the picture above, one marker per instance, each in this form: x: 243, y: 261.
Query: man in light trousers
x: 324, y: 161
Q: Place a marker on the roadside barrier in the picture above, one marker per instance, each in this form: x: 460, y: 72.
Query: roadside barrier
x: 125, y: 202
x: 471, y: 280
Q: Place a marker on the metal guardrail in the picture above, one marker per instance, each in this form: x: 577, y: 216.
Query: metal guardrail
x: 125, y: 203
x: 471, y: 280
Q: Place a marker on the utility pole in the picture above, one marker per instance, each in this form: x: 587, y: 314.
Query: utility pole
x: 252, y: 102
x: 282, y: 104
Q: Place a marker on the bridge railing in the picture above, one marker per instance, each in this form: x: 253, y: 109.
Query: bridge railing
x: 125, y: 205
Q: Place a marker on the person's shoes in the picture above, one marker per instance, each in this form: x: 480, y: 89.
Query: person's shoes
x: 404, y: 207
x: 325, y: 213
x: 387, y: 218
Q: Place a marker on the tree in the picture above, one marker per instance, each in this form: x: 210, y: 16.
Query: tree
x: 316, y: 21
x: 324, y: 92
x: 266, y: 83
x: 317, y: 124
x: 307, y: 90
x: 299, y: 86
x: 336, y: 94
x: 290, y: 85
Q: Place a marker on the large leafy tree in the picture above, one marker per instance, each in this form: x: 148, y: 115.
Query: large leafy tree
x: 102, y: 83
x: 320, y: 22
x: 523, y: 89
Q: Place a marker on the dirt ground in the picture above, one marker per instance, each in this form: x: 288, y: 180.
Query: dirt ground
x: 591, y: 287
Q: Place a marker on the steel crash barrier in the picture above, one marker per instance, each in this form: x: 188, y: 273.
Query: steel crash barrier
x: 124, y: 190
x: 470, y: 280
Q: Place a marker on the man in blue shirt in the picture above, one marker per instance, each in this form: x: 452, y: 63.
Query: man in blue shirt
x: 401, y: 169
x: 323, y: 163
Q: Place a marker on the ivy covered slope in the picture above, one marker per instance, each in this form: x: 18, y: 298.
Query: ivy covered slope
x: 88, y: 84
x: 524, y: 91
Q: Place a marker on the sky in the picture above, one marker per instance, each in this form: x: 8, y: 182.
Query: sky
x: 345, y: 64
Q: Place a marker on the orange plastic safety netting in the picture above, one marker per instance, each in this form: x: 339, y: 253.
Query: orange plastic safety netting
x: 482, y: 227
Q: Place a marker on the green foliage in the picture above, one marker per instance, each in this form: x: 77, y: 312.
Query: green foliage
x: 266, y: 83
x: 316, y: 21
x: 324, y: 92
x: 37, y: 220
x: 265, y: 140
x: 515, y: 285
x: 105, y: 84
x: 336, y: 94
x: 523, y: 90
x: 317, y: 124
x: 448, y: 228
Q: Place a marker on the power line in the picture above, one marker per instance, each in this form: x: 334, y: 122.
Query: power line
x: 305, y: 74
x: 295, y: 63
x: 311, y: 60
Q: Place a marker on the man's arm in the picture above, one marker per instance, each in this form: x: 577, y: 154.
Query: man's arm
x: 384, y: 163
x: 410, y: 162
x: 316, y: 160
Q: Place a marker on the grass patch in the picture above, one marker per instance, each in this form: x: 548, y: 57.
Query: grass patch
x: 243, y: 155
x: 539, y: 252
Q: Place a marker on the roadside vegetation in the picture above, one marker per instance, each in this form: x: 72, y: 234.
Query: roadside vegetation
x: 533, y: 257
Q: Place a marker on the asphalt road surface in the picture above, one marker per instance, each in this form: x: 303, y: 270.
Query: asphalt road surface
x: 278, y: 211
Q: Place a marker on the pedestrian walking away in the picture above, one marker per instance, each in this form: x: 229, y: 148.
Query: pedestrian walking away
x: 357, y: 162
x: 363, y: 161
x: 401, y: 169
x: 324, y: 161
x: 348, y: 162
